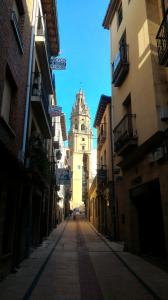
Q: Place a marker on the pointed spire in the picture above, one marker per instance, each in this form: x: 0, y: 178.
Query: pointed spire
x: 80, y: 106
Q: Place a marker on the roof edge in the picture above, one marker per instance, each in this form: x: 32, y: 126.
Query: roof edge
x: 104, y: 101
x: 109, y: 14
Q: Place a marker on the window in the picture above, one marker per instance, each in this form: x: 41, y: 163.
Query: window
x: 120, y: 14
x: 6, y: 100
x: 101, y: 161
x: 102, y: 129
x: 164, y: 6
x: 123, y: 47
x: 15, y: 20
x: 104, y: 157
x: 83, y: 127
x: 127, y: 105
x: 15, y: 9
x: 83, y: 139
x: 123, y: 39
x: 83, y: 148
x: 76, y: 126
x: 67, y: 153
x: 128, y: 111
x: 8, y: 104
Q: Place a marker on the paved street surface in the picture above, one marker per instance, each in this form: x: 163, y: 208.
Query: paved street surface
x: 77, y: 263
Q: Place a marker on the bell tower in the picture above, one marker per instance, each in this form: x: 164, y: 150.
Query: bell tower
x: 80, y: 137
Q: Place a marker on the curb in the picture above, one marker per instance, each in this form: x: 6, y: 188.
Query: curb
x: 39, y: 273
x: 147, y: 287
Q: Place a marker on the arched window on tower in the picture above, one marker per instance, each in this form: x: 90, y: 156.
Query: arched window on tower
x: 76, y: 126
x: 83, y: 127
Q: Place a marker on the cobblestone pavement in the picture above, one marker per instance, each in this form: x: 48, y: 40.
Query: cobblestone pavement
x: 77, y: 263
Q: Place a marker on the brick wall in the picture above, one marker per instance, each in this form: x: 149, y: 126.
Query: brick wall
x: 12, y: 58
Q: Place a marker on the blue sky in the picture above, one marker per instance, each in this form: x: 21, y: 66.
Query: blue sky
x: 85, y: 45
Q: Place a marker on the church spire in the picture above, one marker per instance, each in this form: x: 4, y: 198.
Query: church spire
x: 80, y: 143
x: 80, y: 107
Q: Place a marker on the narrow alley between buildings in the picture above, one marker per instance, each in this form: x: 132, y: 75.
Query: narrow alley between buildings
x: 77, y: 263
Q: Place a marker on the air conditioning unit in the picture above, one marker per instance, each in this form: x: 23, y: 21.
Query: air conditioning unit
x: 164, y: 113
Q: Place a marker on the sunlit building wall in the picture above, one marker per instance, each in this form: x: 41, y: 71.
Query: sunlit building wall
x: 79, y: 143
x: 139, y: 97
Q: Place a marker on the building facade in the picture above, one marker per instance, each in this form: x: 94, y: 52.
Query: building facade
x: 93, y: 211
x: 28, y: 30
x: 139, y: 89
x: 60, y: 154
x: 106, y: 205
x: 15, y: 33
x: 80, y: 136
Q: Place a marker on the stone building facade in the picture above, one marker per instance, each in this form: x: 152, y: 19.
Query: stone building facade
x: 80, y: 136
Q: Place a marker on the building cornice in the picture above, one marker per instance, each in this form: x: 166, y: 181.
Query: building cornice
x: 50, y: 10
x: 110, y: 13
x: 104, y: 101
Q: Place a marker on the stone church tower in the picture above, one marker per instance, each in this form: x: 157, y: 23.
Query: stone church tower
x: 80, y: 138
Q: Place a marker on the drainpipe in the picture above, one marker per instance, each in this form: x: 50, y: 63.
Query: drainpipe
x: 113, y: 204
x: 26, y: 117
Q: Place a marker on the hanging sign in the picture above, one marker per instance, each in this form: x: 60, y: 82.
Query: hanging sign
x: 55, y: 111
x: 63, y: 176
x: 57, y: 63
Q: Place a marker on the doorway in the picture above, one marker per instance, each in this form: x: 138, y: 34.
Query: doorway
x: 147, y: 200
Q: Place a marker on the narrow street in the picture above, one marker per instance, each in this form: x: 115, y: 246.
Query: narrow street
x: 76, y: 263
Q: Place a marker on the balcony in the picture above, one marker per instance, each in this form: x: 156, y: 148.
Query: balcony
x: 40, y: 105
x: 43, y: 51
x: 37, y: 160
x: 102, y: 176
x: 120, y: 66
x: 125, y: 134
x: 101, y: 139
x: 50, y: 11
x: 162, y: 41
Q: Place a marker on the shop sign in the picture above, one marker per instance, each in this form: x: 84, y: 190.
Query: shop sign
x: 63, y: 176
x: 55, y: 111
x: 57, y: 63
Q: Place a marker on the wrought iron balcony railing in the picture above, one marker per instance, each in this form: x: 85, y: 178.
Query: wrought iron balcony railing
x: 37, y: 156
x: 120, y: 65
x: 101, y: 139
x: 125, y: 134
x: 102, y: 175
x: 162, y: 41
